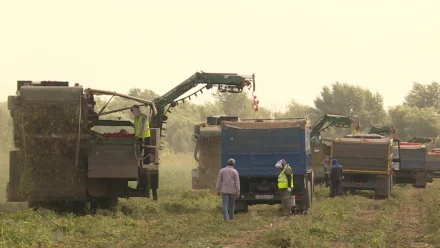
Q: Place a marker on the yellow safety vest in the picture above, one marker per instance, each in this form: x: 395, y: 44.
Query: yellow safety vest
x: 141, y: 127
x: 282, y: 178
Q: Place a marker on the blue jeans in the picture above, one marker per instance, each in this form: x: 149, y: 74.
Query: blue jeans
x: 228, y: 206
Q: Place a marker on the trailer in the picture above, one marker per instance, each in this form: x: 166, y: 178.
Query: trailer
x: 413, y: 168
x: 367, y: 161
x: 207, y: 138
x: 433, y: 164
x: 256, y: 147
x: 61, y: 158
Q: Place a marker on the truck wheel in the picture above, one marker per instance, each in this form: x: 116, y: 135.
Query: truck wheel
x: 383, y: 194
x: 108, y: 203
x: 391, y: 185
x: 305, y: 205
x: 154, y: 194
x: 309, y: 194
x: 241, y: 207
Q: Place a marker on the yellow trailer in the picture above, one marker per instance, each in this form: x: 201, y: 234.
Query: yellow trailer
x: 367, y: 162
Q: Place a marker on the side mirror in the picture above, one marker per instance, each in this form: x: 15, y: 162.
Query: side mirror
x: 396, y: 152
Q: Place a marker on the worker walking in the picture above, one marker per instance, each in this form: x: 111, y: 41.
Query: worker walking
x: 141, y: 129
x: 336, y: 176
x: 228, y: 185
x: 285, y: 185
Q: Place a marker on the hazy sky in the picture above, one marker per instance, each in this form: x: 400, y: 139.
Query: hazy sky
x: 293, y: 47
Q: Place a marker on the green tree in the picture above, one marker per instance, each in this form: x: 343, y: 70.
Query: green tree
x: 353, y: 101
x: 415, y: 122
x: 297, y: 110
x: 6, y: 142
x: 424, y: 95
x: 240, y: 105
x: 179, y: 126
x: 144, y: 94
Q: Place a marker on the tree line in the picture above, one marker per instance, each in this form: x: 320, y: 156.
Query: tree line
x: 417, y: 116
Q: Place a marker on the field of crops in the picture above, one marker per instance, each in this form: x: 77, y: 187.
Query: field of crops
x: 184, y: 218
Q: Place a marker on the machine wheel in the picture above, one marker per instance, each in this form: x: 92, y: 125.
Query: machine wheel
x: 36, y: 205
x: 12, y: 188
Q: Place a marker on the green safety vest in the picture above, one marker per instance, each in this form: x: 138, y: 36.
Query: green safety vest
x: 282, y: 178
x: 141, y: 127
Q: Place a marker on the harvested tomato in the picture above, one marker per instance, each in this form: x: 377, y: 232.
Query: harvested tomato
x: 117, y: 135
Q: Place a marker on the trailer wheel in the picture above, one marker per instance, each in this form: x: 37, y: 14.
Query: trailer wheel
x: 309, y: 194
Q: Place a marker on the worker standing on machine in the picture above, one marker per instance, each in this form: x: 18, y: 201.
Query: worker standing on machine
x: 141, y: 130
x: 285, y: 185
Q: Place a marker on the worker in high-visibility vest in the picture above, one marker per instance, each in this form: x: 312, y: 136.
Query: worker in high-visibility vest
x: 141, y: 129
x: 285, y: 185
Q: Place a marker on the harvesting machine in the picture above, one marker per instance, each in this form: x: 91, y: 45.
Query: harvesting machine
x: 60, y: 158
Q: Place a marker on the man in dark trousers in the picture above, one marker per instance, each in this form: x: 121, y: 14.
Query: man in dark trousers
x: 336, y: 177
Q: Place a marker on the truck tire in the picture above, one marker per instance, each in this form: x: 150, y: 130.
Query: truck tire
x: 305, y: 205
x: 108, y: 203
x: 241, y: 207
x: 388, y: 195
x: 154, y: 194
x: 382, y: 194
x: 391, y: 185
x: 309, y: 194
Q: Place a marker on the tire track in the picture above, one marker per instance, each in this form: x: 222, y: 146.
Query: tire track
x: 252, y: 236
x: 410, y: 219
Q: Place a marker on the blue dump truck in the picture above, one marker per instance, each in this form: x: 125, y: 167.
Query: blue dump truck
x: 256, y: 148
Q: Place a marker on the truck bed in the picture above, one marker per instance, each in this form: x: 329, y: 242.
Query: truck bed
x: 433, y: 162
x: 363, y: 156
x: 256, y: 146
x: 412, y: 158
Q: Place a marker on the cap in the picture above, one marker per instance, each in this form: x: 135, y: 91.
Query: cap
x: 231, y: 161
x: 280, y: 164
